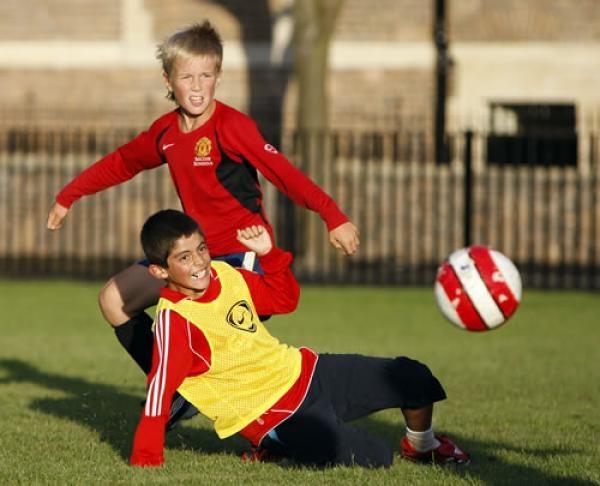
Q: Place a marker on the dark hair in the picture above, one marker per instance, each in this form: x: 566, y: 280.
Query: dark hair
x: 162, y: 230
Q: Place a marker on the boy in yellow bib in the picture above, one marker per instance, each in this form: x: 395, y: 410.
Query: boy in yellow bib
x: 211, y: 347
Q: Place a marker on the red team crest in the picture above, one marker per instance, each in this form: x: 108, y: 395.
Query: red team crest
x: 202, y: 149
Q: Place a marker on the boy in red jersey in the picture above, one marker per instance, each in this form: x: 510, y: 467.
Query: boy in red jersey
x: 212, y: 347
x: 214, y: 154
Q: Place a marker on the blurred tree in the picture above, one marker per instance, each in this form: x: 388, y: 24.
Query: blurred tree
x: 267, y: 83
x: 314, y: 26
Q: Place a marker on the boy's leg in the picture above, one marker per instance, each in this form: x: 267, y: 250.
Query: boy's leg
x: 315, y: 436
x: 358, y: 386
x: 128, y: 293
x: 122, y: 302
x: 137, y: 339
x: 347, y: 387
x: 418, y: 419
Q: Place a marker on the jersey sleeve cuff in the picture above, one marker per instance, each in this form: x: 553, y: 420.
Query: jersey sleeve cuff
x: 335, y: 218
x: 141, y: 459
x: 148, y: 442
x: 64, y: 201
x: 275, y: 259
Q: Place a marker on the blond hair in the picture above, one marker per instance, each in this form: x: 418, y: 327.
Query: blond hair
x: 195, y: 40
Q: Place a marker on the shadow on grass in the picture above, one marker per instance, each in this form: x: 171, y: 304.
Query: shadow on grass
x: 113, y: 414
x: 485, y: 462
x: 109, y: 411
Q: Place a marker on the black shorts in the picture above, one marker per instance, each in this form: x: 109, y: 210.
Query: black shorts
x: 344, y: 388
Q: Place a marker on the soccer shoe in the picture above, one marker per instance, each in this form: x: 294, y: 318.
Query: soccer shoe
x: 446, y: 453
x: 261, y: 454
x: 181, y: 409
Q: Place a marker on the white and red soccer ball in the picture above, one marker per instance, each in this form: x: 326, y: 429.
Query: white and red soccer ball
x: 477, y: 288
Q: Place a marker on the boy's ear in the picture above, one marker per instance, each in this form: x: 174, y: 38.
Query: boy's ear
x: 166, y: 80
x: 158, y: 272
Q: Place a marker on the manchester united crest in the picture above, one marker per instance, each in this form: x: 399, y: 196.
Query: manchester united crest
x: 203, y: 148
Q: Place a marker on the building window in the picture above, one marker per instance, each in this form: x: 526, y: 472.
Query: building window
x: 532, y: 134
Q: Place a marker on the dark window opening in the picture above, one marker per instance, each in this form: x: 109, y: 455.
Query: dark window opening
x: 532, y: 134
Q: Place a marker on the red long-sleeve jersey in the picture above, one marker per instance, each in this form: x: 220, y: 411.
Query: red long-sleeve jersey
x: 182, y: 350
x: 214, y: 169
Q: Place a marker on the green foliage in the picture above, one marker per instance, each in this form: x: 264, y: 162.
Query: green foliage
x: 522, y: 399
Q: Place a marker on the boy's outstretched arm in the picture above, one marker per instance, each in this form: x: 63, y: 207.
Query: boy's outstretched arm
x: 243, y: 137
x: 119, y: 166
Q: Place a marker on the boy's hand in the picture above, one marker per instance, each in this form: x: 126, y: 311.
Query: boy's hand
x: 55, y: 216
x: 345, y: 238
x: 256, y: 239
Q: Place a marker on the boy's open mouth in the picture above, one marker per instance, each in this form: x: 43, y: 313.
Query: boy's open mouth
x: 199, y: 274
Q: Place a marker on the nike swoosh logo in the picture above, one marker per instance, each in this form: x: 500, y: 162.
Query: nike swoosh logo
x: 167, y: 145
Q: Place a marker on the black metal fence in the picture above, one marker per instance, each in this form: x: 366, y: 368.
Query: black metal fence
x: 411, y: 211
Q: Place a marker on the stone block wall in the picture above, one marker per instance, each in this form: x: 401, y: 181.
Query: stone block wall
x: 524, y: 20
x: 363, y: 94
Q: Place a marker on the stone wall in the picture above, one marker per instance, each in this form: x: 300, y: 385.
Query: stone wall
x: 85, y: 56
x: 524, y: 20
x: 74, y: 20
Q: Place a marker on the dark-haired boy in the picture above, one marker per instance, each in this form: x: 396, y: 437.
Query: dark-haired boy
x: 211, y: 346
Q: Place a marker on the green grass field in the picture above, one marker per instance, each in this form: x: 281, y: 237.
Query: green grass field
x: 523, y: 400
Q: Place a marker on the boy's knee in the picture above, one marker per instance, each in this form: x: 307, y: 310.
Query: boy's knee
x: 403, y: 367
x: 418, y: 383
x: 111, y: 304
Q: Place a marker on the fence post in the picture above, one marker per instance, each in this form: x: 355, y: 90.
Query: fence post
x: 468, y: 188
x: 440, y: 39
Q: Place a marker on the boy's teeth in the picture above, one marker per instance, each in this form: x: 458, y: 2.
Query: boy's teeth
x: 198, y: 274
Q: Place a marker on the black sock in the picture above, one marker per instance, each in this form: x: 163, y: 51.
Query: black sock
x: 137, y: 338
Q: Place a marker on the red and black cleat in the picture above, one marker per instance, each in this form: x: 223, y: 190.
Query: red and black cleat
x: 261, y: 454
x: 446, y: 453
